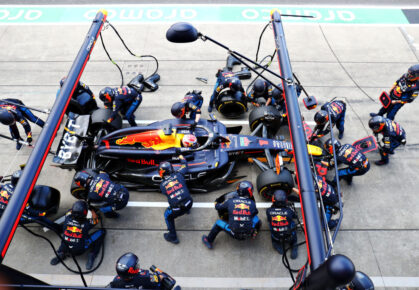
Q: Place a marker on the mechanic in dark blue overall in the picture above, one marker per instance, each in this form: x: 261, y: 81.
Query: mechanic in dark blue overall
x: 100, y: 189
x: 261, y: 89
x: 9, y: 117
x: 82, y: 100
x: 347, y: 154
x: 330, y: 200
x: 281, y: 223
x: 30, y: 214
x: 124, y: 100
x: 77, y: 239
x: 393, y: 136
x: 225, y: 79
x: 130, y: 276
x: 174, y: 187
x: 243, y: 221
x: 337, y: 112
x: 20, y: 106
x: 191, y: 104
x: 405, y: 90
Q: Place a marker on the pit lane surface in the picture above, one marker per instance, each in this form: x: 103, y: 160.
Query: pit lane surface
x: 380, y: 225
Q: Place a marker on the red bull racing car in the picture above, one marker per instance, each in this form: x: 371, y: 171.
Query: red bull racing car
x: 132, y: 155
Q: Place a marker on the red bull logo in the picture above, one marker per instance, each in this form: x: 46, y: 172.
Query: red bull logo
x: 5, y: 194
x: 98, y: 185
x: 347, y: 152
x: 74, y: 229
x: 172, y: 184
x: 242, y: 206
x: 279, y: 218
x: 73, y: 232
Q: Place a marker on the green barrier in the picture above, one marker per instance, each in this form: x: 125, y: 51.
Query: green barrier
x: 41, y: 14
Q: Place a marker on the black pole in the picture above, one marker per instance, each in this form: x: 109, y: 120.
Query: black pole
x: 14, y: 209
x: 312, y: 225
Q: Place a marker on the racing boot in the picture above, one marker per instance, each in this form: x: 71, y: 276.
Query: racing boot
x: 54, y: 261
x: 373, y: 114
x: 90, y: 260
x: 170, y: 238
x: 349, y: 179
x: 381, y: 162
x: 294, y: 251
x: 206, y: 242
x: 278, y: 247
x: 340, y: 136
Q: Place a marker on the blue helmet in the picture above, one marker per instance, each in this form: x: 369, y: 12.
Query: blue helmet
x: 6, y: 117
x: 234, y: 84
x: 245, y: 189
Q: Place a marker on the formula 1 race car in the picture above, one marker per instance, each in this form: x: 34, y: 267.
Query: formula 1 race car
x: 132, y: 155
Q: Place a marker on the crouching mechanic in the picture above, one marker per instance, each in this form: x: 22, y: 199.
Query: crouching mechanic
x: 100, y: 189
x: 337, y: 113
x: 191, y: 104
x: 76, y: 237
x: 225, y: 79
x: 177, y: 193
x: 9, y: 117
x: 347, y: 154
x: 124, y: 100
x: 243, y: 221
x: 130, y: 276
x: 330, y: 199
x: 18, y: 105
x: 82, y: 100
x: 281, y: 223
x: 393, y: 136
x: 30, y: 214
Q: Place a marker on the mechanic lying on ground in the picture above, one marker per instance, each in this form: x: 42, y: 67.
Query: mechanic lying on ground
x: 393, y: 136
x: 281, y: 223
x: 191, y: 104
x: 75, y: 233
x: 100, y: 189
x: 405, y: 90
x: 180, y: 201
x: 243, y: 221
x: 30, y: 214
x: 123, y: 100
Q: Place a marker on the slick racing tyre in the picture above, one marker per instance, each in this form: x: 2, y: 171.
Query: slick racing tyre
x: 268, y: 181
x: 45, y: 199
x: 267, y: 115
x: 76, y: 191
x: 231, y: 106
x: 98, y: 121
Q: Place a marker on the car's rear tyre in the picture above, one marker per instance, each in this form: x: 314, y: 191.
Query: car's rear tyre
x: 268, y: 181
x: 46, y: 199
x: 99, y: 118
x: 267, y: 115
x: 231, y: 107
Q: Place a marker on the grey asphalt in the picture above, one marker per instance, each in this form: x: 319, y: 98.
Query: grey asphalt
x: 381, y: 221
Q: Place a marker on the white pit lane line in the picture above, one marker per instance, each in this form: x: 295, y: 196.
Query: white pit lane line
x: 225, y: 122
x: 220, y: 283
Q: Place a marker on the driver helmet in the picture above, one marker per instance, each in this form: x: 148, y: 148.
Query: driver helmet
x: 377, y: 124
x: 259, y: 87
x: 82, y: 179
x: 279, y: 198
x: 189, y: 140
x: 245, y: 189
x: 412, y: 74
x: 15, y: 177
x: 234, y: 85
x: 321, y: 117
x: 178, y: 110
x: 165, y: 169
x: 106, y: 95
x: 127, y: 266
x: 79, y: 210
x: 328, y: 145
x: 6, y: 117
